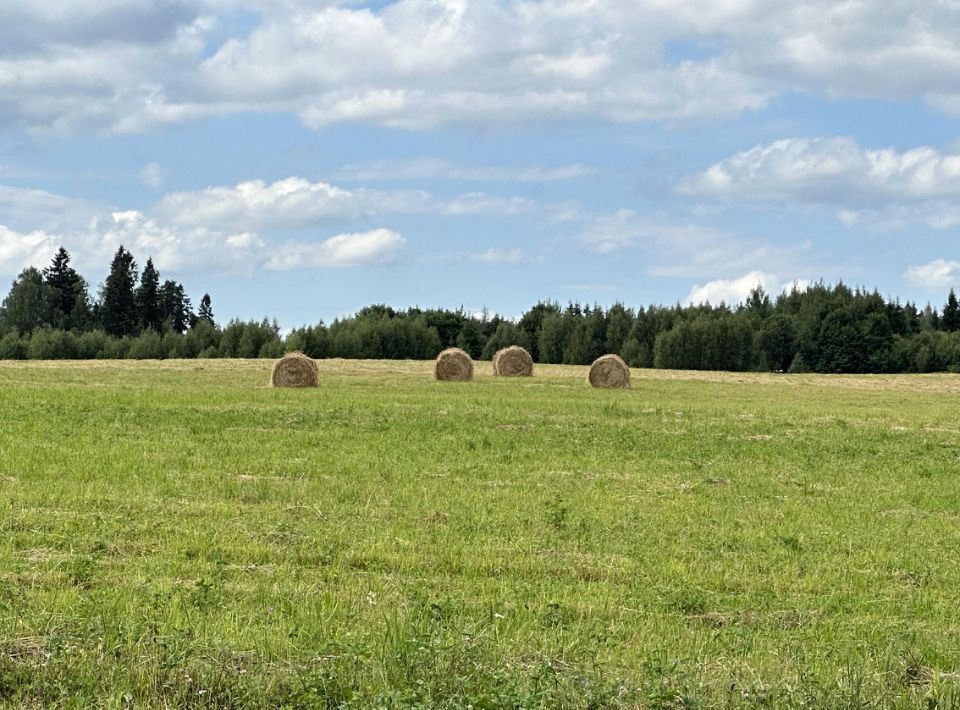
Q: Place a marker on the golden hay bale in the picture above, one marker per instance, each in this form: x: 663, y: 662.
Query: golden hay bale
x: 609, y: 372
x: 295, y: 370
x: 453, y: 365
x: 513, y: 362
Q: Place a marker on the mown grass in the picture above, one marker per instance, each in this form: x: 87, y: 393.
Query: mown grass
x: 178, y: 534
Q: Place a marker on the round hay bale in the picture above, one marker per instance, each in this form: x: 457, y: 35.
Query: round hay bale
x: 609, y: 372
x: 512, y: 362
x: 453, y: 365
x: 295, y: 370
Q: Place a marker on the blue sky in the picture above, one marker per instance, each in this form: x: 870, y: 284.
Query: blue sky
x: 304, y: 158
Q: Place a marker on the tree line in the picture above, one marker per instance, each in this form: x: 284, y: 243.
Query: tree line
x: 51, y: 314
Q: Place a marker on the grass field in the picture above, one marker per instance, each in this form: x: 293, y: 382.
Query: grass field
x: 178, y: 534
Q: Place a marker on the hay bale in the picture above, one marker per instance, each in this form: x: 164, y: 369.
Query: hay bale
x: 295, y: 370
x: 512, y: 362
x: 453, y: 365
x: 609, y: 372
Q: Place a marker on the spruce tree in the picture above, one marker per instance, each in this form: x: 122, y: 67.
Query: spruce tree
x: 175, y: 307
x: 148, y: 298
x: 950, y: 320
x: 118, y: 307
x: 206, y: 310
x: 68, y: 306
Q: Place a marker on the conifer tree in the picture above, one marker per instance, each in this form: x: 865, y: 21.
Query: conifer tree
x: 118, y: 306
x: 175, y: 306
x: 148, y: 298
x: 206, y: 310
x: 68, y: 295
x: 950, y: 320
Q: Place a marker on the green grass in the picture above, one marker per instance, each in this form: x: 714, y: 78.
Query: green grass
x: 178, y: 534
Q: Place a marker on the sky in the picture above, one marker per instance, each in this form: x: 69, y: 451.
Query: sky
x: 300, y: 159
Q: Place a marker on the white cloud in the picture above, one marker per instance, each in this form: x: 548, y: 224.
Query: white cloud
x: 735, y: 291
x: 18, y: 250
x: 625, y: 229
x: 28, y: 209
x: 202, y: 236
x: 832, y: 171
x: 937, y: 274
x: 171, y: 247
x: 497, y: 256
x: 254, y: 204
x: 875, y: 189
x: 295, y: 202
x: 480, y: 203
x: 376, y: 247
x: 130, y: 66
x: 439, y: 169
x: 151, y: 175
x: 678, y: 249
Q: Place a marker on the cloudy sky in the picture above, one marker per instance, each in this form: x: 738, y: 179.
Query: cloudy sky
x: 304, y: 158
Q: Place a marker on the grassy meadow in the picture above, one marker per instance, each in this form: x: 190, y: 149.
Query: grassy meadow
x: 178, y: 534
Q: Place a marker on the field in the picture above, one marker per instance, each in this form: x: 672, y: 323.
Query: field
x: 179, y: 534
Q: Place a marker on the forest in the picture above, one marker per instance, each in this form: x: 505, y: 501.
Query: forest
x: 826, y: 328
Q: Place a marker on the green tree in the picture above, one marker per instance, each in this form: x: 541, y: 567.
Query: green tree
x: 777, y: 340
x: 758, y: 305
x: 553, y: 338
x: 69, y: 306
x: 588, y: 337
x: 147, y: 297
x: 531, y: 323
x: 798, y: 365
x: 118, y: 305
x: 28, y: 305
x: 507, y: 334
x: 13, y: 347
x: 205, y: 312
x: 448, y: 324
x: 619, y: 323
x: 175, y: 307
x: 471, y: 338
x: 842, y: 347
x: 950, y: 320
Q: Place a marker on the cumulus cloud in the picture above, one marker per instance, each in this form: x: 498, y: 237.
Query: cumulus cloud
x: 735, y: 291
x: 295, y: 202
x: 131, y: 66
x: 937, y: 274
x: 254, y: 204
x: 376, y: 247
x: 29, y: 209
x: 835, y: 171
x: 18, y: 250
x: 251, y: 224
x: 171, y: 247
x: 877, y: 189
x: 226, y: 229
